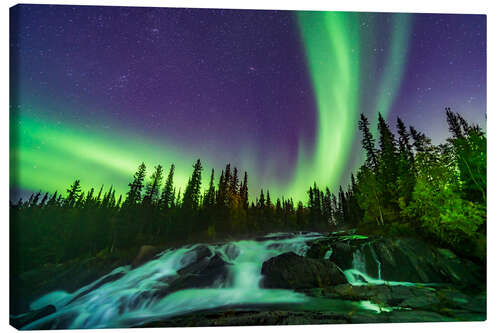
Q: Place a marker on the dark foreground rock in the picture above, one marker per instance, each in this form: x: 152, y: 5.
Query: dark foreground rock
x: 399, y: 259
x: 207, y: 270
x: 27, y: 318
x: 290, y: 271
x: 245, y: 317
x: 251, y: 318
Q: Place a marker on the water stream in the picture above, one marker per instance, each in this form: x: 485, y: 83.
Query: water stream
x: 129, y: 297
x: 129, y: 300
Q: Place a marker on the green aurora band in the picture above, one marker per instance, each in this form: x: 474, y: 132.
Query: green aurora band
x: 48, y: 154
x: 333, y: 43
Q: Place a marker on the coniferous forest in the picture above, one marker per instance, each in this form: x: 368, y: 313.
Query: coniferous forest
x: 180, y: 167
x: 406, y: 186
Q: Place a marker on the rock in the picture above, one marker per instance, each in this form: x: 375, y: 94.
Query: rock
x: 342, y: 255
x: 237, y: 317
x: 290, y: 271
x: 416, y: 317
x: 455, y: 299
x: 27, y: 318
x: 104, y: 280
x: 400, y: 259
x: 146, y: 253
x: 394, y: 296
x: 420, y: 302
x: 231, y: 251
x: 318, y: 249
x: 206, y: 272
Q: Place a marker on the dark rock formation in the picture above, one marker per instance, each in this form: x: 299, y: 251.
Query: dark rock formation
x: 291, y: 271
x: 29, y: 317
x: 400, y: 259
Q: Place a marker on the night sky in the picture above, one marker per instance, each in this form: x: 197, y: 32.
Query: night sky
x: 97, y: 90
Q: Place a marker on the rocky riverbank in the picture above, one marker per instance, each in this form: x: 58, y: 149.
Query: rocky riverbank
x: 284, y: 279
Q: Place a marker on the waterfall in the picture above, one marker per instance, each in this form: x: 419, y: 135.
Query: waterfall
x: 358, y: 276
x: 130, y: 299
x: 379, y: 264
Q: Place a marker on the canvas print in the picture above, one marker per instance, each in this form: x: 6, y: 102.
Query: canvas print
x: 215, y: 167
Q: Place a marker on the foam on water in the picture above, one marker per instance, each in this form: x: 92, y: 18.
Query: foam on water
x: 130, y: 299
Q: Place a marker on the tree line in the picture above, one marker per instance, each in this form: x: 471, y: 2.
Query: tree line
x: 408, y: 186
x: 405, y: 186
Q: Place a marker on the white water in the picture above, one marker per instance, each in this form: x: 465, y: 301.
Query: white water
x: 129, y: 301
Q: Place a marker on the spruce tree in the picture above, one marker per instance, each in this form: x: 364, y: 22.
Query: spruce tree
x: 244, y: 191
x: 73, y: 194
x: 192, y: 193
x: 368, y: 142
x: 209, y: 198
x: 168, y: 193
x: 135, y: 187
x: 153, y: 186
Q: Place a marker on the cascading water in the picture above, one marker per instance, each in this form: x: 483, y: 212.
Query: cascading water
x: 127, y: 297
x: 358, y: 276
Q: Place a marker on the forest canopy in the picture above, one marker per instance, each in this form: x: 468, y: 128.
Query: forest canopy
x: 406, y: 186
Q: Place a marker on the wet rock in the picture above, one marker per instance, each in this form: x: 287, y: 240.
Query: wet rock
x: 393, y: 296
x: 25, y: 319
x: 291, y: 271
x: 342, y: 255
x: 231, y: 251
x: 400, y: 259
x: 103, y: 281
x: 318, y: 249
x: 203, y: 273
x: 416, y: 317
x: 456, y: 299
x: 239, y: 317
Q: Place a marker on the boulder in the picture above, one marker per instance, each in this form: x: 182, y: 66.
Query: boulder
x: 400, y: 259
x: 29, y: 317
x: 342, y: 255
x: 290, y: 271
x: 205, y: 272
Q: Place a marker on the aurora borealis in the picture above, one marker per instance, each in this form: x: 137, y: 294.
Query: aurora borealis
x: 97, y: 90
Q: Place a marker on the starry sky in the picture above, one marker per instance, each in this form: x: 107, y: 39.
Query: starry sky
x: 97, y: 90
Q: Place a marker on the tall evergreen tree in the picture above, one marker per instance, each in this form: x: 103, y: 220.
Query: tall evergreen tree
x: 192, y: 193
x: 209, y: 198
x: 135, y: 187
x: 73, y: 194
x: 153, y: 186
x: 168, y: 193
x: 368, y: 142
x: 244, y: 191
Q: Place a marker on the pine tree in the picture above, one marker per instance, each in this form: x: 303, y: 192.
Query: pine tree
x: 261, y: 203
x: 368, y: 142
x: 421, y: 142
x: 244, y: 191
x: 269, y: 204
x: 135, y: 188
x: 327, y: 206
x: 234, y: 182
x: 73, y: 194
x: 192, y: 193
x: 44, y: 200
x: 454, y: 124
x: 153, y: 186
x: 209, y: 198
x: 406, y: 174
x: 168, y: 193
x: 221, y: 190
